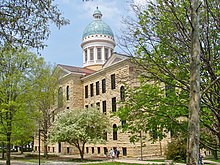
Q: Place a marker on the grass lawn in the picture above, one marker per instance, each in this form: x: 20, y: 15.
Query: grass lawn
x: 113, y: 163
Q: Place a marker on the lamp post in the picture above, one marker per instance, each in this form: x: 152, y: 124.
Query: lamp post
x: 39, y: 144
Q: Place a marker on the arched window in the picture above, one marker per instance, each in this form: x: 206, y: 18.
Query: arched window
x: 122, y: 93
x: 115, y: 134
x: 67, y: 93
x: 60, y: 97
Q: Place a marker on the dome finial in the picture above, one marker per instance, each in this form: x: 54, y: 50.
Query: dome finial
x: 97, y: 14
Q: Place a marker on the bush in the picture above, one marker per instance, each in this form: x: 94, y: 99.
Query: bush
x: 176, y: 149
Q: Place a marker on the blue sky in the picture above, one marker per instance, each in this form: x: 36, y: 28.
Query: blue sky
x: 64, y: 44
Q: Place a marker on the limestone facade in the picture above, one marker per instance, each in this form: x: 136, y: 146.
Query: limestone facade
x: 97, y: 89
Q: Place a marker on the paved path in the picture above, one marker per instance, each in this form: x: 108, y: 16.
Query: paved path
x: 131, y: 161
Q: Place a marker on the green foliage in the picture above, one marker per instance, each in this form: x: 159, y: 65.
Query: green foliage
x: 18, y: 109
x: 26, y: 23
x: 147, y: 109
x: 161, y: 36
x: 176, y: 149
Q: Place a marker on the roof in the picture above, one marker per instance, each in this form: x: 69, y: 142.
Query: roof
x: 97, y: 26
x: 76, y: 69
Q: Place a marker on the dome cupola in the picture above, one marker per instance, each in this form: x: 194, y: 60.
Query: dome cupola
x: 97, y: 42
x: 97, y: 26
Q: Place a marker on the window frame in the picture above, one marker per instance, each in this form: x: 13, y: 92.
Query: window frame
x: 114, y: 106
x: 91, y: 54
x: 91, y: 90
x: 104, y: 109
x: 103, y: 85
x: 97, y: 88
x: 86, y: 91
x: 113, y: 83
x: 99, y: 53
x: 115, y: 132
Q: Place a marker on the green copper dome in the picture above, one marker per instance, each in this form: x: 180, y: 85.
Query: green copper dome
x: 97, y: 26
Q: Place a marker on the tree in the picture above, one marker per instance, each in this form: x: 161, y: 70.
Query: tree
x: 80, y: 126
x: 17, y: 78
x: 46, y: 87
x: 161, y: 36
x: 26, y: 23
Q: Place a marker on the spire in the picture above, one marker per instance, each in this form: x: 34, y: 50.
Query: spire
x: 97, y: 14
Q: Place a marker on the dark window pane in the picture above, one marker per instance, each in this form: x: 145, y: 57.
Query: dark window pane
x: 113, y: 81
x: 86, y: 91
x: 124, y: 151
x: 97, y: 87
x: 114, y: 104
x: 67, y: 92
x: 115, y: 134
x: 122, y: 93
x: 103, y: 86
x: 98, y: 150
x: 104, y: 107
x: 91, y: 90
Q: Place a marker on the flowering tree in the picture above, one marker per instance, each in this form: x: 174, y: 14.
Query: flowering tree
x: 80, y: 126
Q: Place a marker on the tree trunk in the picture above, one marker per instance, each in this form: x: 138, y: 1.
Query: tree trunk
x: 8, y: 149
x: 22, y: 148
x: 45, y: 144
x: 194, y: 103
x: 81, y: 151
x: 45, y: 135
x: 3, y: 150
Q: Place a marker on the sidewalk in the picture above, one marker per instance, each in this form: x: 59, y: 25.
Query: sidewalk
x: 130, y: 161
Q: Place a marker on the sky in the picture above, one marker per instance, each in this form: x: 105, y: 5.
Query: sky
x: 63, y: 45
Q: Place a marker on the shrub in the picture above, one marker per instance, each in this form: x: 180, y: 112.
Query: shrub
x: 176, y: 149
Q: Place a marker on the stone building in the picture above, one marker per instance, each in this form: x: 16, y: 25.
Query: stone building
x: 100, y: 83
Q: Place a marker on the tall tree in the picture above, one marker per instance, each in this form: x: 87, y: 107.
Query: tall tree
x: 194, y: 100
x: 46, y: 90
x: 161, y: 36
x: 26, y: 22
x: 17, y: 76
x: 80, y: 126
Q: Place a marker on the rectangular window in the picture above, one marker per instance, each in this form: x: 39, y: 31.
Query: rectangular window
x: 114, y: 104
x: 98, y: 105
x: 97, y: 87
x: 68, y: 150
x: 124, y: 151
x: 104, y: 107
x: 99, y: 54
x: 91, y: 54
x: 103, y: 86
x: 86, y: 91
x: 91, y: 90
x: 105, y: 150
x: 91, y: 105
x: 98, y: 149
x: 93, y: 150
x: 86, y: 56
x: 113, y: 81
x: 87, y: 150
x: 106, y: 54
